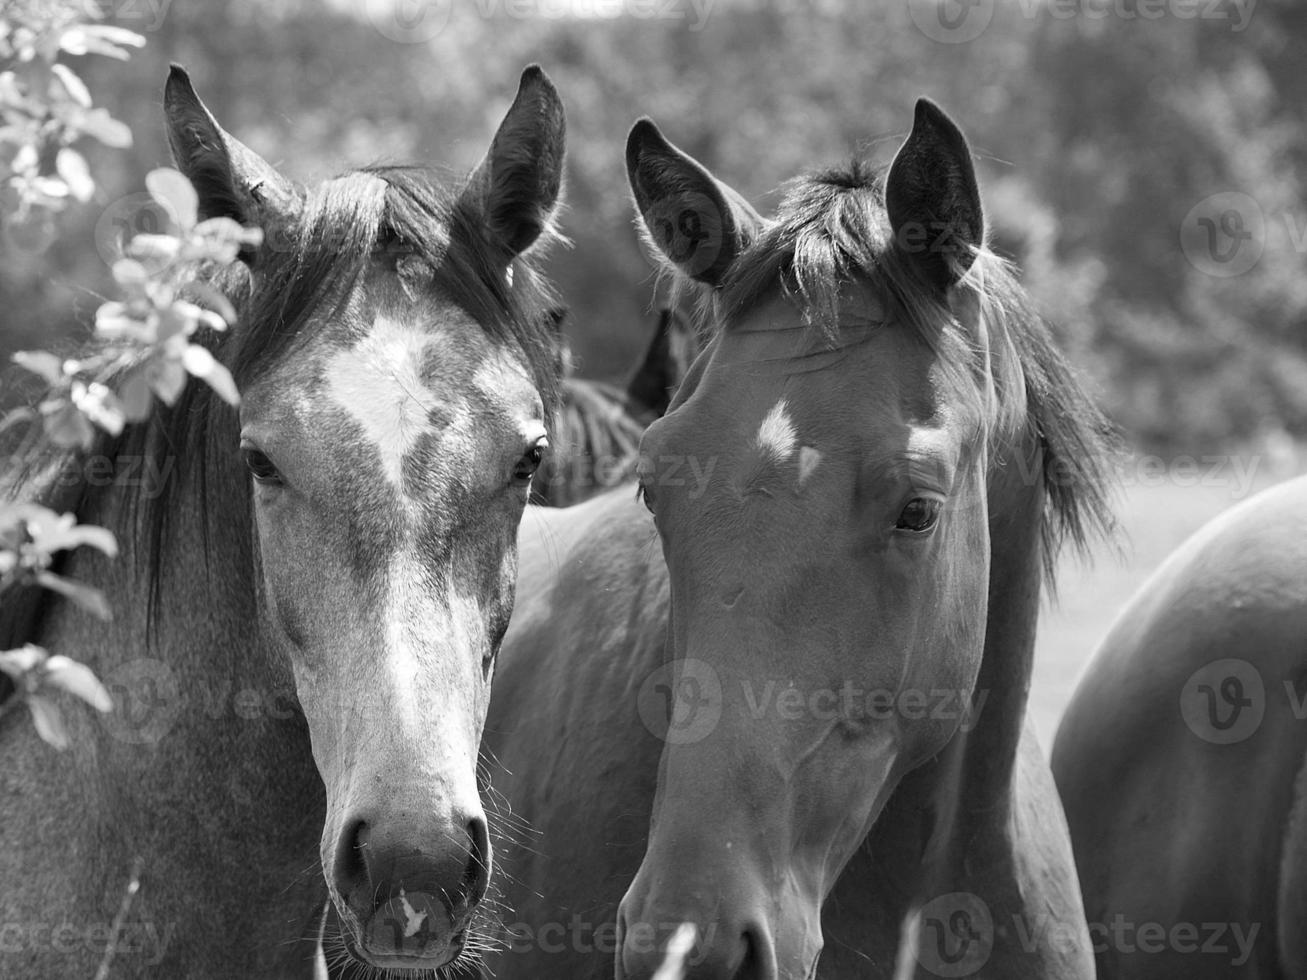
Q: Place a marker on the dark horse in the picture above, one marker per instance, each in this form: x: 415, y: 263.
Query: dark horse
x: 313, y: 594
x: 804, y: 732
x: 596, y: 437
x: 1182, y: 758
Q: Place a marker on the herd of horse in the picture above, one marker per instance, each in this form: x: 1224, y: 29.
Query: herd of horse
x: 756, y: 712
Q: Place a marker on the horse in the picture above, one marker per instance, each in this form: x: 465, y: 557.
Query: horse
x: 311, y: 592
x: 777, y: 704
x: 1182, y: 758
x: 598, y: 428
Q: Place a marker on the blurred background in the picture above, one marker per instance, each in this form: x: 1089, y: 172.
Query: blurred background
x: 1140, y: 159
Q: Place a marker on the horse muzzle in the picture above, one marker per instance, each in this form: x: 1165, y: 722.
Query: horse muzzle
x: 404, y: 900
x: 732, y: 941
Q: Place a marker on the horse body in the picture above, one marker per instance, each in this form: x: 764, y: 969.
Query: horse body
x: 845, y: 501
x: 177, y: 780
x: 1182, y: 757
x: 310, y: 595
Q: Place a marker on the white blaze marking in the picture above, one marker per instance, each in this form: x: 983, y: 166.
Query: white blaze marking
x: 379, y: 382
x: 808, y: 460
x: 776, y: 435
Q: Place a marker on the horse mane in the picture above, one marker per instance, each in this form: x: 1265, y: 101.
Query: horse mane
x: 831, y: 230
x: 595, y: 421
x: 298, y: 278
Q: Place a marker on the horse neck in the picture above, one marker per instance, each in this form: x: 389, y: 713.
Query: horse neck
x: 1017, y: 504
x: 967, y: 791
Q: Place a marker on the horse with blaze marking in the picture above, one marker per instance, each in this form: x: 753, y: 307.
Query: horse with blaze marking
x: 348, y: 539
x: 888, y: 452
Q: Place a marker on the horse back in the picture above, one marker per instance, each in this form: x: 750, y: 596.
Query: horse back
x: 1178, y: 755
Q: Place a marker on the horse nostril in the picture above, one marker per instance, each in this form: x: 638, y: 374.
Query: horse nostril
x: 754, y: 966
x: 352, y: 860
x: 476, y: 876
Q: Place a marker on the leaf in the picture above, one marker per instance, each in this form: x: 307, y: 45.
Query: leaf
x: 78, y: 680
x: 41, y: 362
x: 116, y: 35
x: 73, y: 85
x: 89, y: 598
x: 68, y: 535
x: 114, y: 321
x: 167, y: 378
x: 48, y: 721
x: 75, y: 173
x: 18, y: 662
x: 171, y: 189
x: 202, y: 364
x: 198, y: 315
x: 98, y: 124
x: 100, y: 39
x: 65, y: 426
x: 134, y: 393
x: 160, y: 248
x: 129, y: 273
x: 213, y: 298
x: 99, y: 404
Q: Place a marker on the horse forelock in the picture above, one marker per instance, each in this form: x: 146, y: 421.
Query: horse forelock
x: 831, y: 232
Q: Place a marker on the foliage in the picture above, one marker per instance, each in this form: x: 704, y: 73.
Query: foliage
x: 45, y: 107
x: 1096, y: 134
x: 144, y: 340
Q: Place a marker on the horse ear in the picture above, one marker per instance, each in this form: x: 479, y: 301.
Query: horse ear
x: 932, y: 197
x: 555, y: 318
x: 231, y: 180
x: 665, y: 362
x: 521, y: 178
x: 697, y: 222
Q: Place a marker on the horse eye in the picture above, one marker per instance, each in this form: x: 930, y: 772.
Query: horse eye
x: 919, y: 515
x: 526, y: 467
x: 642, y: 493
x: 261, y: 468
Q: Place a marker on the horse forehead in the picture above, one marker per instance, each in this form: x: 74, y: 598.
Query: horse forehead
x: 407, y: 380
